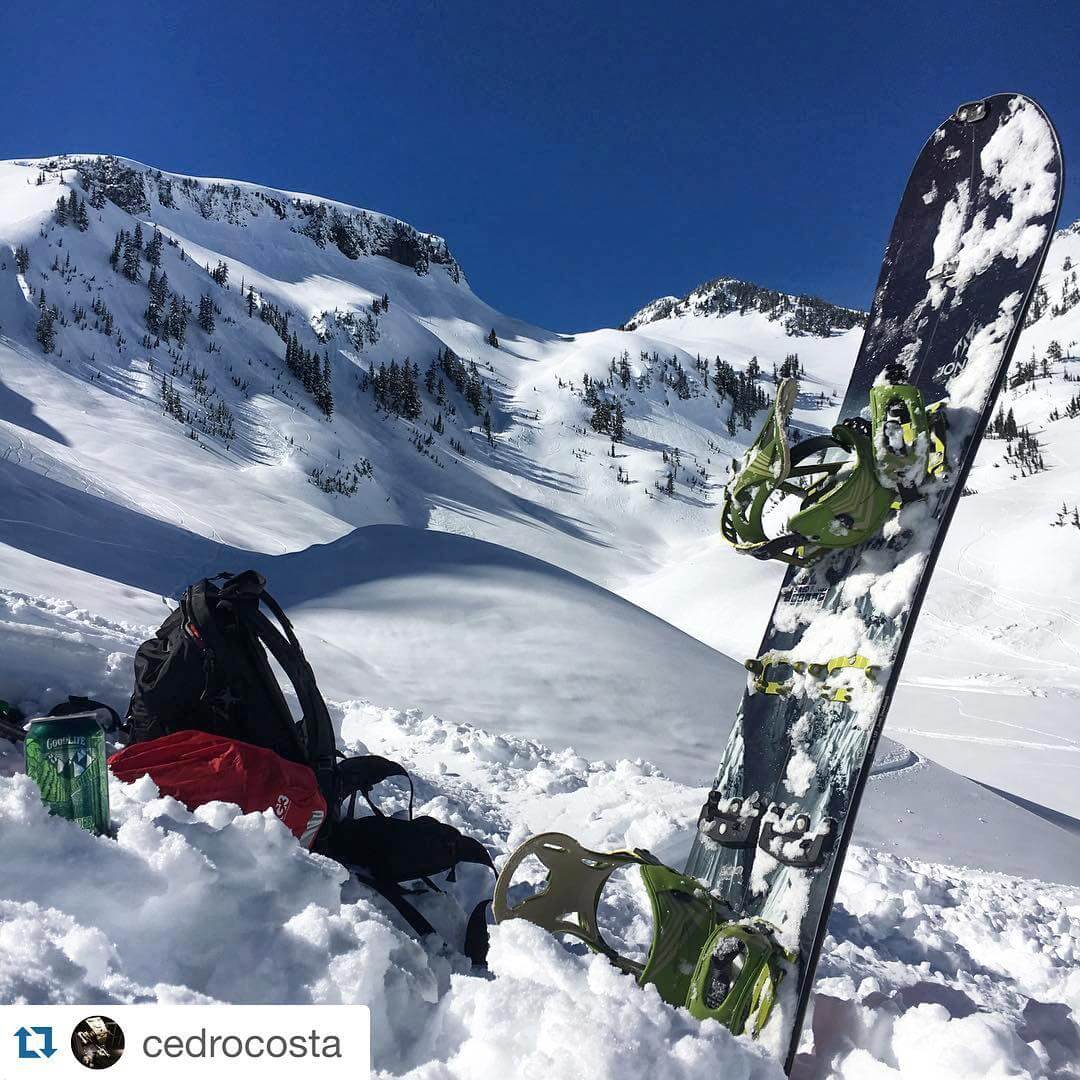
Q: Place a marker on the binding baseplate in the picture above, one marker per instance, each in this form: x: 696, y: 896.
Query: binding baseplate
x: 699, y: 958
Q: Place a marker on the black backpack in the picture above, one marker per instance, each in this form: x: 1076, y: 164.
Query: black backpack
x: 206, y: 668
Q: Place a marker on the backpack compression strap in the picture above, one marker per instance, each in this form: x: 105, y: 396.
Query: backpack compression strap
x: 384, y: 852
x: 319, y: 746
x: 318, y: 728
x: 358, y: 775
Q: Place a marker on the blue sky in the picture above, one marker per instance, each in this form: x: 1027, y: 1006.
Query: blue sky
x: 580, y: 158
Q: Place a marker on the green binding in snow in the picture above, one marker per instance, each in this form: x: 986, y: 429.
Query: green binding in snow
x: 845, y: 499
x: 691, y: 929
x: 736, y: 976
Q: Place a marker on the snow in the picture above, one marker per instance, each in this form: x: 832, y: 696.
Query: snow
x: 546, y: 648
x: 801, y: 771
x: 1018, y: 160
x: 947, y: 241
x: 973, y: 958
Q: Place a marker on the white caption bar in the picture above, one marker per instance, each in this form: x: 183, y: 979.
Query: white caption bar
x: 201, y: 1042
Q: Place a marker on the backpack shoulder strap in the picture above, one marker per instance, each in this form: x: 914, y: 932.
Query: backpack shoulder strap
x: 238, y: 595
x: 320, y: 747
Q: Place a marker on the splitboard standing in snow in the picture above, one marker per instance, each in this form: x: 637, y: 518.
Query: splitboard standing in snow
x: 959, y: 270
x: 860, y: 515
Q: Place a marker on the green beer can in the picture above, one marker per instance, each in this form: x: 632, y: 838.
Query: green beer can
x: 66, y: 758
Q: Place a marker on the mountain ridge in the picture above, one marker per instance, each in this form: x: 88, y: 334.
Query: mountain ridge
x: 136, y: 187
x: 800, y: 314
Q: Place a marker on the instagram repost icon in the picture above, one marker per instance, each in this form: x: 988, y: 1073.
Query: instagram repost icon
x: 97, y: 1042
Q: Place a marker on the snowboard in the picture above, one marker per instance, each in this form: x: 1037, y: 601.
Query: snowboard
x: 959, y: 270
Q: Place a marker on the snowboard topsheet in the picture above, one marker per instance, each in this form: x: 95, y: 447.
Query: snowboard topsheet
x: 959, y: 269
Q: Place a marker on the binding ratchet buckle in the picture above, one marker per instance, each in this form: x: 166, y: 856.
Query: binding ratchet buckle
x: 730, y: 821
x: 786, y: 835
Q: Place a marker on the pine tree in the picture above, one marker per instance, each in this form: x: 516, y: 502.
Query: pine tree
x: 492, y: 339
x: 474, y: 389
x: 138, y: 237
x: 600, y: 421
x: 22, y: 259
x: 409, y: 404
x: 324, y: 397
x: 132, y: 258
x: 46, y: 330
x: 206, y: 314
x: 176, y: 325
x: 153, y: 308
x: 618, y: 422
x: 153, y: 249
x: 61, y: 211
x: 487, y: 428
x: 161, y: 293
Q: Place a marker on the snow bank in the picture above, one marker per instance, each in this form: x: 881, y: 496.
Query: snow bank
x: 219, y: 906
x: 549, y: 1013
x: 927, y: 972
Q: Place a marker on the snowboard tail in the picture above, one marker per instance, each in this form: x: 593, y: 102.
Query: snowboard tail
x: 959, y: 270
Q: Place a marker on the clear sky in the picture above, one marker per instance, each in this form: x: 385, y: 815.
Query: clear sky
x: 580, y: 158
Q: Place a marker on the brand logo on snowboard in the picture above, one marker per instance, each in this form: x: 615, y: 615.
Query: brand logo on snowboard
x: 951, y: 368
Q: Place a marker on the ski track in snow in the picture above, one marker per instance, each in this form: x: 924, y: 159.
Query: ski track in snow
x: 1062, y: 742
x: 988, y: 740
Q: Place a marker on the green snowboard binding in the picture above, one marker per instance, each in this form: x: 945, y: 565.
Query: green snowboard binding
x: 736, y: 976
x: 848, y: 482
x: 699, y: 959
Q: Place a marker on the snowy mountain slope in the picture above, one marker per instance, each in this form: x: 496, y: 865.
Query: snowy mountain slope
x: 135, y: 419
x: 90, y: 416
x: 527, y: 489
